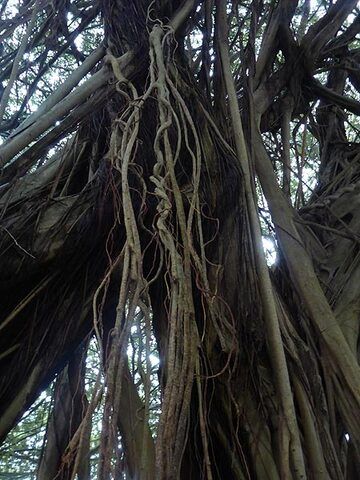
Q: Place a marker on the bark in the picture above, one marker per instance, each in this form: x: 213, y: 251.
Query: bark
x: 152, y: 208
x: 69, y: 406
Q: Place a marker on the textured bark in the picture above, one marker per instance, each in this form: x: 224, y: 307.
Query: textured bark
x: 152, y: 206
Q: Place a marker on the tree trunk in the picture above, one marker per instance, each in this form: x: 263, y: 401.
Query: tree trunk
x: 69, y: 406
x: 153, y: 208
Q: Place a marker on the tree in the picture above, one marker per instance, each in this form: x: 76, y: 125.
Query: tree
x: 134, y: 204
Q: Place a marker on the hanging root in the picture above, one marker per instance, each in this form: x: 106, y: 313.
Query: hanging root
x: 178, y: 221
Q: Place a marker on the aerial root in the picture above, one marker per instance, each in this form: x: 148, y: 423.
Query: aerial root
x: 183, y: 261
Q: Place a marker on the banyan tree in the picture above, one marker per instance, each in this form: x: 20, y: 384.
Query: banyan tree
x: 148, y: 150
